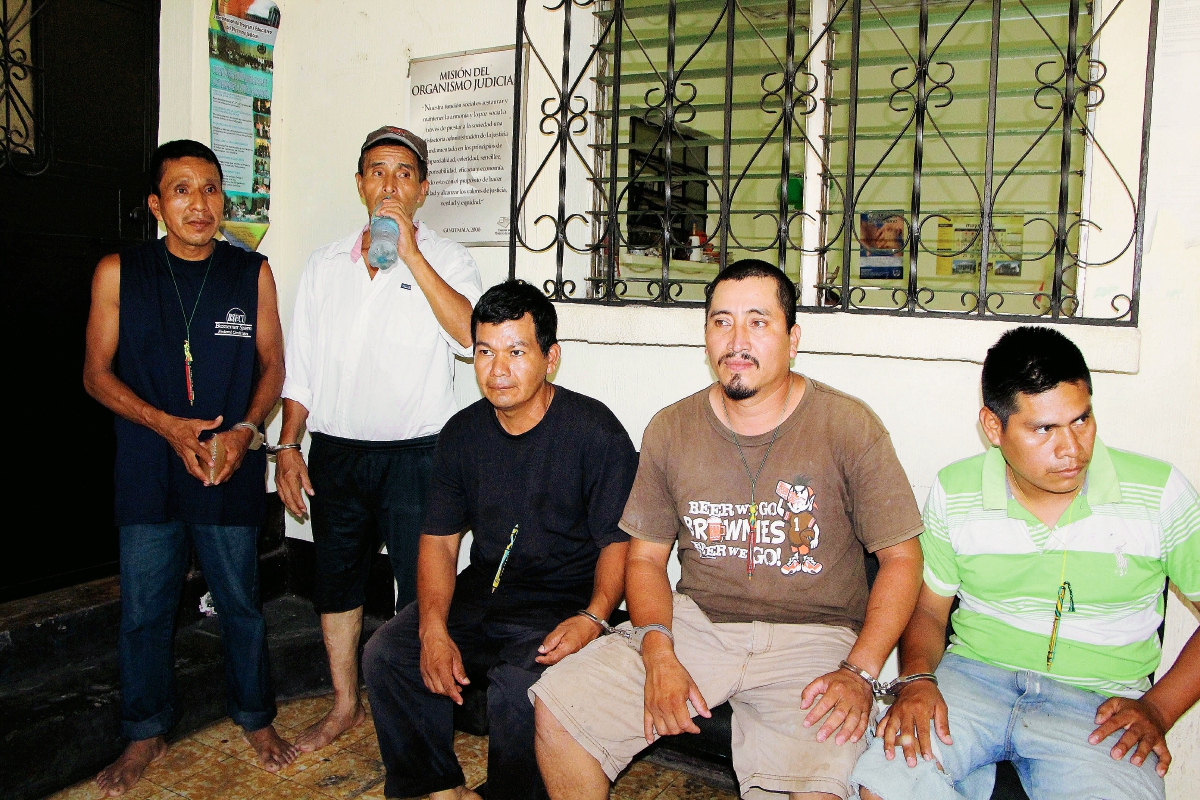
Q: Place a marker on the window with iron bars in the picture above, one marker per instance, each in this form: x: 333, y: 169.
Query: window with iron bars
x: 864, y: 146
x: 21, y: 112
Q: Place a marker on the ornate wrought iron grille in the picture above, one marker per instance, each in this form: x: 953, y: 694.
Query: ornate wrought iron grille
x: 22, y: 117
x: 864, y: 146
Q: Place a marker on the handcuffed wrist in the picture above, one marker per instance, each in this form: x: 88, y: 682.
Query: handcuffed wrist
x: 891, y: 688
x: 639, y: 637
x: 603, y: 626
x: 635, y: 635
x: 871, y: 682
x: 898, y: 685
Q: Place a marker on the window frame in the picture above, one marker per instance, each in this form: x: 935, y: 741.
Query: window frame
x: 23, y: 137
x: 566, y: 114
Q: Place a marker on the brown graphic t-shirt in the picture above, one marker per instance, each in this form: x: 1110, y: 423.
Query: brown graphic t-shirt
x: 831, y: 486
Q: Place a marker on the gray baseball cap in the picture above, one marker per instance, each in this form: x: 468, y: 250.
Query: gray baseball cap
x: 391, y: 134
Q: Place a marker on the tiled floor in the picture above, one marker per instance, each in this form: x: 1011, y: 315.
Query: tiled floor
x: 217, y: 764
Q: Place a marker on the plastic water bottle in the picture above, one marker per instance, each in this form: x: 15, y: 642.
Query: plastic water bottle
x: 385, y: 233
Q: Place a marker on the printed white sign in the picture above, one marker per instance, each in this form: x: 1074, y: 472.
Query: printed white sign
x: 463, y: 107
x: 233, y: 138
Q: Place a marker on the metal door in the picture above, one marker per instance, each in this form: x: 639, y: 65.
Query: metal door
x: 78, y: 123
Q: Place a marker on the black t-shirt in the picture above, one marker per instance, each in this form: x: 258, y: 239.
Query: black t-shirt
x: 562, y: 485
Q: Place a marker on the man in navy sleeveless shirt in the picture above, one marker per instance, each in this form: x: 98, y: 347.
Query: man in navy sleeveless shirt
x: 184, y: 345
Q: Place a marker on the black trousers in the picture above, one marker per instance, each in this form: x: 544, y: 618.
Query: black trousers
x: 416, y: 727
x: 366, y: 493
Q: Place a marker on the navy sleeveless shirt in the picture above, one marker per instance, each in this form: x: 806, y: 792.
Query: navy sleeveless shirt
x: 152, y: 485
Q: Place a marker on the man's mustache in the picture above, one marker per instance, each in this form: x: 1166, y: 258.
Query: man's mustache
x: 744, y: 356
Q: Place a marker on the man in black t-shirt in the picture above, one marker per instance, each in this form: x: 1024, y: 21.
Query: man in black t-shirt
x: 540, y: 475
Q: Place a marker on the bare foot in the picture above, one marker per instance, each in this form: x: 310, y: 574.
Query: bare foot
x: 274, y: 753
x: 322, y: 732
x: 120, y: 776
x: 457, y: 793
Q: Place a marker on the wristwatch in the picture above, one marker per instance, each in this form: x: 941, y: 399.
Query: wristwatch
x: 257, y: 438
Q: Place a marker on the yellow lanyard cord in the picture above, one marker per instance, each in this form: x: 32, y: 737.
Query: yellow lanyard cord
x: 1064, y: 593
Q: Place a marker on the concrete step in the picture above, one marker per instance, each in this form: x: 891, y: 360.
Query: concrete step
x: 60, y: 694
x: 42, y: 632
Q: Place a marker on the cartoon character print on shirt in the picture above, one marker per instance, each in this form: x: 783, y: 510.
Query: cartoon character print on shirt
x: 804, y: 534
x: 786, y: 530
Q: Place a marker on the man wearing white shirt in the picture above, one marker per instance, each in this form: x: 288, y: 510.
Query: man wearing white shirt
x: 370, y: 361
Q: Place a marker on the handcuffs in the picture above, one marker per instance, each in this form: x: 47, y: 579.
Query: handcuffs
x: 256, y: 436
x: 891, y: 688
x: 258, y: 439
x: 633, y: 636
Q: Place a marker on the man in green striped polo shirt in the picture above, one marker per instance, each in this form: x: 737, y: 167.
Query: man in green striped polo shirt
x: 1058, y: 549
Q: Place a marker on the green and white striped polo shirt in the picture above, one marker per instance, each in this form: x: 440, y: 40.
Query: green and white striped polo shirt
x: 1136, y: 523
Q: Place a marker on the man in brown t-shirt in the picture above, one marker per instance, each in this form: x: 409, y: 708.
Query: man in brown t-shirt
x: 773, y: 485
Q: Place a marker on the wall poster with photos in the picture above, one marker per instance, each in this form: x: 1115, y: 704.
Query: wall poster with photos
x: 241, y: 44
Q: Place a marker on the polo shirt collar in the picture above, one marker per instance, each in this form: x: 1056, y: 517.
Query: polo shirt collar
x: 352, y: 245
x: 1101, y: 486
x: 995, y: 481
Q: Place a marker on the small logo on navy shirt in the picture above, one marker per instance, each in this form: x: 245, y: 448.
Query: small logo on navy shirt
x: 235, y: 325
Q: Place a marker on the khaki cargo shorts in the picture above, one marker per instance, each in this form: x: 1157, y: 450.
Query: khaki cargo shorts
x: 761, y: 668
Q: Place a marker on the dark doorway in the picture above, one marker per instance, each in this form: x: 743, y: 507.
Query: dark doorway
x: 78, y: 122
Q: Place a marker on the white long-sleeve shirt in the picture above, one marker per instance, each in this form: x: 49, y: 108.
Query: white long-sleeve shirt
x: 367, y: 357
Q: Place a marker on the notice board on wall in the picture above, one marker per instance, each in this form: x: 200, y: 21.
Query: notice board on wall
x: 462, y: 105
x: 241, y: 45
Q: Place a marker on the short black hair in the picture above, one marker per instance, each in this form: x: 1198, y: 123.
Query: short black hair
x: 757, y: 268
x: 511, y: 300
x: 422, y: 168
x: 173, y: 151
x: 1029, y: 360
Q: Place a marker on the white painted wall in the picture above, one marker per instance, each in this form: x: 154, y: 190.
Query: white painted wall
x: 341, y: 71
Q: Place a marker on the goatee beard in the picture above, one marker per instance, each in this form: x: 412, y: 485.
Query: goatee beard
x: 736, y: 390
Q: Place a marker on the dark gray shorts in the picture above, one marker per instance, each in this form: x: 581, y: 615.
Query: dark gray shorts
x: 367, y: 494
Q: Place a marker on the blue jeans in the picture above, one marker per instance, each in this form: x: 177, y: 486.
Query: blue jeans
x: 154, y: 559
x: 1039, y: 724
